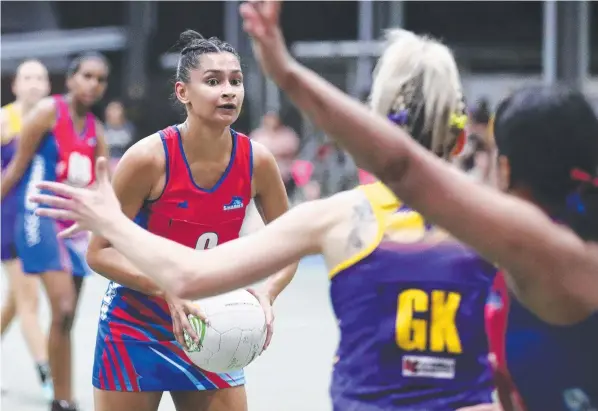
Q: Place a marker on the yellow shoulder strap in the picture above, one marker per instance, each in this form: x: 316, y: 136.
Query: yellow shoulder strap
x: 383, y: 202
x: 14, y: 119
x: 408, y: 220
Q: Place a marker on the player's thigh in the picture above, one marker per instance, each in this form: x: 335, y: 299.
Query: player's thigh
x: 37, y: 245
x: 225, y: 399
x: 42, y: 253
x: 25, y: 287
x: 60, y: 290
x: 126, y: 401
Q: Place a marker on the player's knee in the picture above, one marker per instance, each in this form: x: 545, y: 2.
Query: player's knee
x: 66, y: 322
x: 62, y: 319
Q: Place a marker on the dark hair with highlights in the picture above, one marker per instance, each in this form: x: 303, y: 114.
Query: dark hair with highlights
x: 550, y: 137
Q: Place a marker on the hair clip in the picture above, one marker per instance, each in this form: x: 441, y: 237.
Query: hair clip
x: 575, y: 203
x: 459, y: 143
x: 578, y: 174
x: 399, y: 118
x: 458, y: 121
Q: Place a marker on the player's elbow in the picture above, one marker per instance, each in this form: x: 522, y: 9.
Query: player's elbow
x: 392, y: 169
x: 93, y: 259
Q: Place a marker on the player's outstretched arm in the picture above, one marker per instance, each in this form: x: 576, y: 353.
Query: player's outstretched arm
x: 192, y: 274
x: 182, y: 271
x: 508, y: 231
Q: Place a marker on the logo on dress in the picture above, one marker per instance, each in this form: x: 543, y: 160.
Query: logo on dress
x: 183, y: 204
x: 235, y: 203
x: 92, y: 141
x: 428, y: 367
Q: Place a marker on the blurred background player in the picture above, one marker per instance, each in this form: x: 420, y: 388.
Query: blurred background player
x: 409, y: 299
x: 478, y: 157
x: 190, y: 183
x: 30, y: 85
x: 60, y: 141
x: 283, y: 143
x: 119, y: 131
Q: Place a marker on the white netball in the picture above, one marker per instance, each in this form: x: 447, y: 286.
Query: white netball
x: 235, y: 335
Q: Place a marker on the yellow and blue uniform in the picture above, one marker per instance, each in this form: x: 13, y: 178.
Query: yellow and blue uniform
x: 411, y: 318
x: 9, y: 204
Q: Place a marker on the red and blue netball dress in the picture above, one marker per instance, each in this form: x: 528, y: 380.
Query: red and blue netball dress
x: 136, y: 349
x: 67, y: 157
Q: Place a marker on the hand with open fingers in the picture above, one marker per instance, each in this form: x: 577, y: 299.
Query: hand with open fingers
x: 91, y: 209
x: 266, y: 302
x: 261, y: 22
x: 180, y: 311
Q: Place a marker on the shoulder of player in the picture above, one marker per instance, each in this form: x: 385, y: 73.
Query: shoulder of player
x: 347, y: 225
x: 263, y: 159
x: 326, y: 217
x: 347, y: 200
x: 260, y: 152
x: 146, y: 156
x: 46, y: 106
x: 43, y: 113
x: 4, y: 126
x: 342, y: 208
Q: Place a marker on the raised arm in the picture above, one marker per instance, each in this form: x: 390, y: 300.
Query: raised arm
x: 133, y: 181
x: 272, y: 202
x: 511, y: 232
x: 35, y: 126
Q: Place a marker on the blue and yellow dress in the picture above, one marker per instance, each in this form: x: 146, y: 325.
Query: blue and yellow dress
x: 410, y: 309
